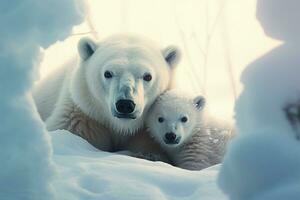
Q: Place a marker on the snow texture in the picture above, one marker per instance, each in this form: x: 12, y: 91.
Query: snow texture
x: 87, y: 173
x: 263, y: 161
x: 26, y: 26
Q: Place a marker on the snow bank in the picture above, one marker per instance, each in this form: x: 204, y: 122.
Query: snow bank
x: 87, y: 173
x: 263, y: 162
x: 27, y: 25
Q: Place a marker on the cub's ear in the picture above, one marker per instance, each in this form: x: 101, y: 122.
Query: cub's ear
x: 86, y: 47
x: 199, y: 102
x: 172, y: 55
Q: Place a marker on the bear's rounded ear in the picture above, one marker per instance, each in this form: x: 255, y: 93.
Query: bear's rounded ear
x: 86, y: 47
x: 199, y: 102
x: 172, y: 55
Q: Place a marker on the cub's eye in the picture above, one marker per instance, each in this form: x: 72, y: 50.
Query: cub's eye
x: 147, y: 77
x: 108, y: 74
x: 161, y: 120
x: 184, y: 119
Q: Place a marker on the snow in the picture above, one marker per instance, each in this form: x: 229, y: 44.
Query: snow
x: 27, y: 25
x: 87, y: 173
x: 263, y: 160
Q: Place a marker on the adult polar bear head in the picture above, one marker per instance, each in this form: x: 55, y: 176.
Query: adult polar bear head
x: 119, y: 78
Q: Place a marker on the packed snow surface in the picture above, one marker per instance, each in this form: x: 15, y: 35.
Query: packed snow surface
x: 87, y: 173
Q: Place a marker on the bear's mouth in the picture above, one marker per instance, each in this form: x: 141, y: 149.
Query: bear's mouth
x: 174, y: 142
x: 125, y: 116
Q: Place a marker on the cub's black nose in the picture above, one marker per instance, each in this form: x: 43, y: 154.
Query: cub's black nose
x: 170, y: 138
x: 125, y: 106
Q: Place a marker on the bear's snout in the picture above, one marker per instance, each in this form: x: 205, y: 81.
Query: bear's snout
x: 171, y: 138
x: 125, y: 106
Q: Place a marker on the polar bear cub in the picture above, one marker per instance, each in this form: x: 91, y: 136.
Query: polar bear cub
x: 178, y: 124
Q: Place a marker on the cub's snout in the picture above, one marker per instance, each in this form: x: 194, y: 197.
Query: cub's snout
x: 171, y: 138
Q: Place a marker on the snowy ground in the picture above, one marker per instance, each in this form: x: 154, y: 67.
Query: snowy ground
x: 87, y: 173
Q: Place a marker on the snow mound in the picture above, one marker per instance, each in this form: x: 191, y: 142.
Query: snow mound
x: 263, y: 161
x: 26, y: 27
x: 87, y: 173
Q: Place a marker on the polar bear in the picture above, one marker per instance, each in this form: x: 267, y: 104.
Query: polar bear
x: 179, y: 124
x: 104, y: 97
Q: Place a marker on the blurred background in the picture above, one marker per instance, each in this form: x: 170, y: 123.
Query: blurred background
x: 218, y: 39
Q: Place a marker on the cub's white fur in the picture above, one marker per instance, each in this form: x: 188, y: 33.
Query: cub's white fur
x: 82, y: 96
x: 180, y: 126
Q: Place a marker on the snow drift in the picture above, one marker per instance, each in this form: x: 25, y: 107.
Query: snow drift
x: 263, y: 161
x: 87, y: 173
x: 26, y: 167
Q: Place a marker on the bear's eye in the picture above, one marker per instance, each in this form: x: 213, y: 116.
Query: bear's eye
x: 161, y: 120
x: 108, y: 74
x: 184, y: 119
x: 147, y: 77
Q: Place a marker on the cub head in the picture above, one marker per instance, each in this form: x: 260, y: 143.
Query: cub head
x: 120, y: 77
x: 173, y: 117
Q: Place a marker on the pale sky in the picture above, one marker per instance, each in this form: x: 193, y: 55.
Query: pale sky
x: 236, y: 39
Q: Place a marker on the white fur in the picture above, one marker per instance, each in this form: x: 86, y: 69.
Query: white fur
x: 80, y: 93
x: 197, y: 148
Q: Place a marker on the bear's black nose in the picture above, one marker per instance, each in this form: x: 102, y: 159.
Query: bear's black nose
x: 125, y: 106
x: 170, y: 138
